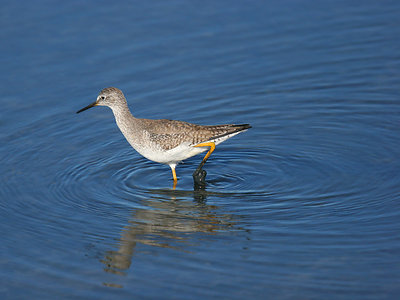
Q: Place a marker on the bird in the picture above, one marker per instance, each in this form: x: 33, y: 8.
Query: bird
x: 165, y: 141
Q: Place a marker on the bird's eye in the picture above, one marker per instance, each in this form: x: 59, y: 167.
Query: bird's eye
x: 102, y: 97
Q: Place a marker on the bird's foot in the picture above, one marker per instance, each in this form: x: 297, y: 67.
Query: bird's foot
x: 199, y: 177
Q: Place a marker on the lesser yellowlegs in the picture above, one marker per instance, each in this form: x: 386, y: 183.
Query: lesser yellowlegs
x: 165, y: 141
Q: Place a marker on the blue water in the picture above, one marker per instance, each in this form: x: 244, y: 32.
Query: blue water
x: 305, y: 205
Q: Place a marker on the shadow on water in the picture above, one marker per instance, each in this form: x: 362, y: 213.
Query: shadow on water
x: 166, y: 220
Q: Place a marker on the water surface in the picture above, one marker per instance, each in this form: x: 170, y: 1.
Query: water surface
x: 303, y: 205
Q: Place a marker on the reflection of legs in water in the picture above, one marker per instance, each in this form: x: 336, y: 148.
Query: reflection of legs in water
x: 199, y: 176
x: 118, y: 261
x: 200, y: 193
x: 164, y: 221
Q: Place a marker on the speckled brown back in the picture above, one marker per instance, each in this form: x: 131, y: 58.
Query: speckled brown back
x: 169, y: 134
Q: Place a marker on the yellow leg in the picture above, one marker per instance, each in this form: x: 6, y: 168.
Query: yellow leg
x: 212, y: 148
x: 174, y: 185
x: 199, y: 174
x: 174, y: 176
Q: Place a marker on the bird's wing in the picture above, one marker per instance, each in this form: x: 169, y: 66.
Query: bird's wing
x: 169, y: 134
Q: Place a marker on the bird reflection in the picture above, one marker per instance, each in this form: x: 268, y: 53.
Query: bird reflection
x: 166, y: 221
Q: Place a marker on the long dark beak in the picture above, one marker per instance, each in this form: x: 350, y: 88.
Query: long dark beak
x: 87, y: 107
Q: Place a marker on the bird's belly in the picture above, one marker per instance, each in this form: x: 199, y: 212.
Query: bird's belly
x: 174, y: 155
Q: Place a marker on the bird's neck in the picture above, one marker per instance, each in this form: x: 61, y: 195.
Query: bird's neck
x: 123, y: 118
x: 121, y: 111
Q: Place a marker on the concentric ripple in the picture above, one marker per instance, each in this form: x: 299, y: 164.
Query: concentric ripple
x: 307, y: 202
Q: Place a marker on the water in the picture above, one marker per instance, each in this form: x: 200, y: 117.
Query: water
x: 303, y: 205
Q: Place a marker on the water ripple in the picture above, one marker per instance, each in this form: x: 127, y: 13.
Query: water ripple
x: 307, y: 200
